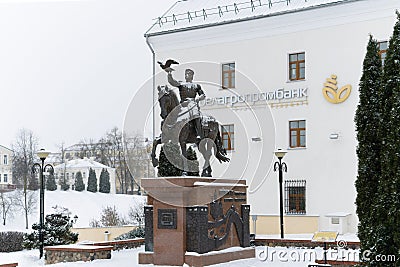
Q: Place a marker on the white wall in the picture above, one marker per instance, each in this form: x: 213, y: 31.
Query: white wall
x: 334, y: 41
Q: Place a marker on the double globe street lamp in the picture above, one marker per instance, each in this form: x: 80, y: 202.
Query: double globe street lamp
x: 281, y: 167
x: 41, y: 169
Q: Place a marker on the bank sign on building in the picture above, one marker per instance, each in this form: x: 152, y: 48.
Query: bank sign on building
x: 280, y: 74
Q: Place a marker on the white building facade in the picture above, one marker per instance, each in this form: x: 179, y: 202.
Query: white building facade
x: 5, y: 165
x: 72, y: 167
x: 281, y: 74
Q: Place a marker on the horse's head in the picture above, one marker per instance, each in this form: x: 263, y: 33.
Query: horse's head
x: 167, y: 99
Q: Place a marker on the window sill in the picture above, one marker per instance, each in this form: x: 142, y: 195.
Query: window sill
x: 295, y: 81
x: 297, y: 148
x: 226, y: 88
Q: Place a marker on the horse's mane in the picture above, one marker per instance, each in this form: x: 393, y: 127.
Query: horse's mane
x: 174, y: 98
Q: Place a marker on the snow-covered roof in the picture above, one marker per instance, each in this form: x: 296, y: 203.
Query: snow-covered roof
x: 81, y: 163
x: 190, y: 14
x: 5, y: 148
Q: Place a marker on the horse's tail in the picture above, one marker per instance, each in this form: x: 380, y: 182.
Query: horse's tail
x: 220, y: 152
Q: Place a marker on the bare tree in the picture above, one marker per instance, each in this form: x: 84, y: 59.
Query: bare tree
x: 7, y: 206
x: 24, y: 149
x: 27, y: 201
x: 136, y: 214
x: 114, y: 154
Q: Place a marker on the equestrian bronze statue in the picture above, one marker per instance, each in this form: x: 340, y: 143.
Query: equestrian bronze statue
x: 183, y: 123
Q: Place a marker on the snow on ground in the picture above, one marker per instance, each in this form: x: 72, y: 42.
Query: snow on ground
x: 86, y: 205
x: 265, y: 256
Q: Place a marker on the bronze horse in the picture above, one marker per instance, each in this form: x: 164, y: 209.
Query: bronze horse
x: 178, y: 130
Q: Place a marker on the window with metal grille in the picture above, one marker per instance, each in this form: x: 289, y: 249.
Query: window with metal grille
x: 297, y: 66
x: 228, y: 136
x: 295, y: 197
x: 228, y: 75
x: 297, y: 133
x: 383, y: 46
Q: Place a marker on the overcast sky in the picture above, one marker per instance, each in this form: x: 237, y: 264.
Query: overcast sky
x: 68, y: 69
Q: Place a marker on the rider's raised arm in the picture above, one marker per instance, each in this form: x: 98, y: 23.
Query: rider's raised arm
x: 172, y: 81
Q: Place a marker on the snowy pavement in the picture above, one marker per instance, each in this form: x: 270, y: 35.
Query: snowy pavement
x: 265, y: 256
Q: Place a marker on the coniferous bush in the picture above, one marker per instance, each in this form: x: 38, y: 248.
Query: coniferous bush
x: 135, y: 233
x: 92, y: 181
x: 64, y: 183
x: 79, y: 185
x: 104, y: 183
x: 11, y: 241
x: 57, y: 231
x: 369, y: 138
x: 51, y: 182
x: 385, y: 230
x: 378, y: 133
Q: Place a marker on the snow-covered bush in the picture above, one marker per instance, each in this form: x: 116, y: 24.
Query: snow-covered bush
x: 11, y: 241
x: 57, y: 231
x: 136, y: 233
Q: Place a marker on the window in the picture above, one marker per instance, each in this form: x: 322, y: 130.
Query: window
x: 0, y: 177
x: 383, y: 46
x: 297, y: 132
x: 297, y: 66
x: 5, y: 178
x: 228, y: 137
x: 5, y: 160
x: 295, y: 197
x: 228, y: 75
x: 335, y: 220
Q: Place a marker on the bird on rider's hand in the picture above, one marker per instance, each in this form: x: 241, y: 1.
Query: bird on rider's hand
x: 167, y: 65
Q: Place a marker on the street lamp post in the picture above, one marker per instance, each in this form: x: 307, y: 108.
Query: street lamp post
x: 40, y: 168
x: 281, y: 167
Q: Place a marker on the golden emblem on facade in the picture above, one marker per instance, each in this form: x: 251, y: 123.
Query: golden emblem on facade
x: 332, y: 93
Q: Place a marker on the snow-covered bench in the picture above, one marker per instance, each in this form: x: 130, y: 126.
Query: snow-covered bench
x: 70, y: 253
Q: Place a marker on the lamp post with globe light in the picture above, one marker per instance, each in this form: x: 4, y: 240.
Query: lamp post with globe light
x: 281, y: 167
x: 40, y: 169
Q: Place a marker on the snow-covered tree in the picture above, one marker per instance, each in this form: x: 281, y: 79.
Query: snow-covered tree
x: 79, y: 185
x: 64, y: 185
x: 57, y: 231
x: 92, y: 181
x: 367, y: 121
x: 104, y: 183
x: 387, y: 232
x: 51, y: 182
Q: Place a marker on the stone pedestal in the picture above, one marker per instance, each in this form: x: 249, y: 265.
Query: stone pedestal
x: 194, y: 215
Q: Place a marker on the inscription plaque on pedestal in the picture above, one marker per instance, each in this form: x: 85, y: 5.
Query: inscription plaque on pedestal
x: 167, y: 219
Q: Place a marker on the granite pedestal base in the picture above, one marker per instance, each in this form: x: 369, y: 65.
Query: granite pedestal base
x: 194, y: 220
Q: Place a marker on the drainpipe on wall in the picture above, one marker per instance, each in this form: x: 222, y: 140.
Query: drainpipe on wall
x: 154, y: 82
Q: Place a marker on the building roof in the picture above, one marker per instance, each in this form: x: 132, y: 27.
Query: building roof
x: 191, y: 14
x: 6, y: 148
x: 81, y: 163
